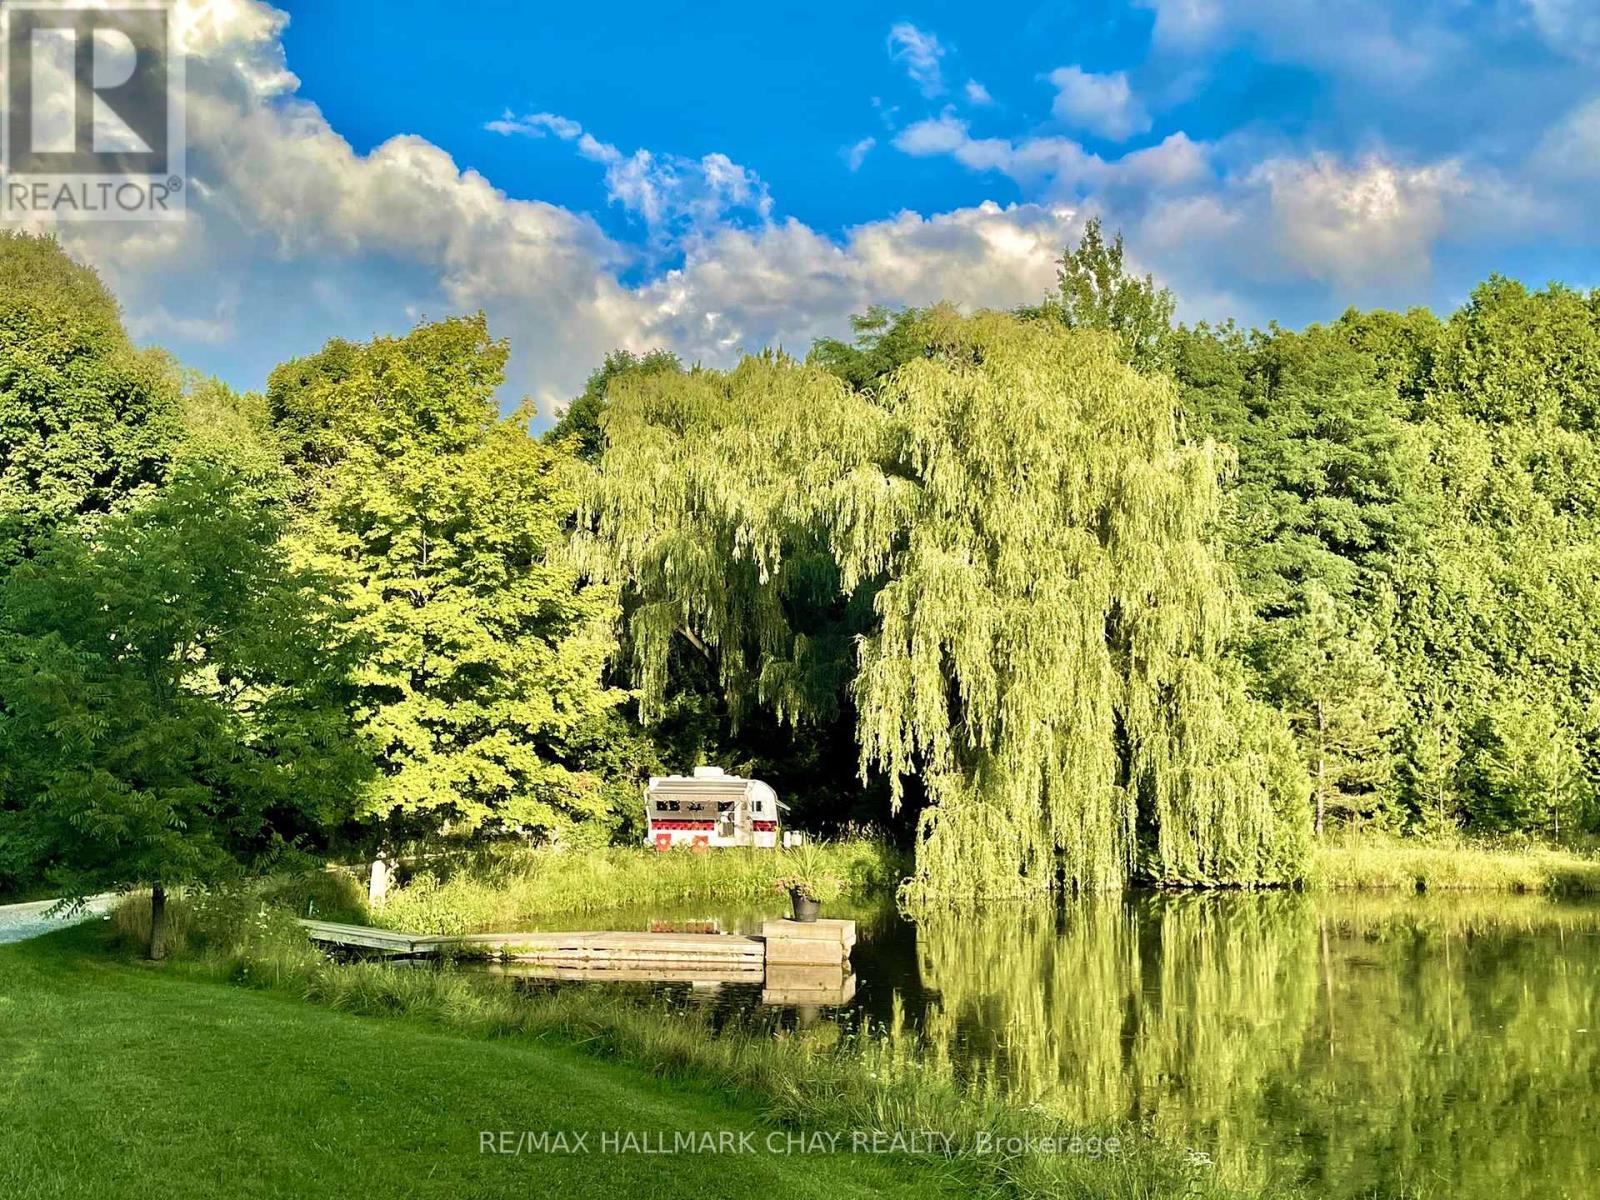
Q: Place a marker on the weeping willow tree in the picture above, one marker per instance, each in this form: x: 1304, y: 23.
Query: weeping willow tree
x: 1032, y: 540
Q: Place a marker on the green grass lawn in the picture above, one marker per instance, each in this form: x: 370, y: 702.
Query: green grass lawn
x: 122, y: 1079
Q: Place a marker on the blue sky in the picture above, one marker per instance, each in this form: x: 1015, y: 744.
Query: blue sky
x: 717, y: 177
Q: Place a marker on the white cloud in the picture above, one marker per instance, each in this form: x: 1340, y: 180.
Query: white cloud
x: 787, y: 284
x: 292, y: 237
x: 1057, y: 166
x: 1383, y: 44
x: 1348, y: 224
x: 919, y: 52
x: 536, y: 125
x: 1186, y: 22
x: 978, y: 94
x: 1570, y: 27
x: 669, y: 192
x: 1572, y: 147
x: 1102, y: 104
x: 855, y: 155
x: 1359, y: 224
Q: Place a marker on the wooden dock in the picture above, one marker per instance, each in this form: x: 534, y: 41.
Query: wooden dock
x: 603, y: 948
x: 697, y: 974
x: 362, y: 937
x: 816, y: 948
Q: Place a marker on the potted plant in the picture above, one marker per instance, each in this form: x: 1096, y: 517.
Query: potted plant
x: 808, y: 882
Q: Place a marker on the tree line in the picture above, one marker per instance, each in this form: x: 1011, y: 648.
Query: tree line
x: 1068, y: 594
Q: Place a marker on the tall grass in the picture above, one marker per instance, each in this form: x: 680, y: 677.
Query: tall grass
x: 251, y: 920
x: 876, y: 1080
x: 879, y: 1080
x: 504, y: 888
x: 1384, y: 863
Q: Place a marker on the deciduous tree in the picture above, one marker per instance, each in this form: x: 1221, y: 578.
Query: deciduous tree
x: 441, y: 529
x: 1049, y: 613
x: 165, y: 718
x: 87, y: 422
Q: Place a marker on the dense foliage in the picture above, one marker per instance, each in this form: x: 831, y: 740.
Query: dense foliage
x: 1417, y: 520
x: 1063, y: 595
x: 163, y: 717
x: 438, y: 528
x: 1023, y: 601
x: 86, y: 421
x: 165, y: 720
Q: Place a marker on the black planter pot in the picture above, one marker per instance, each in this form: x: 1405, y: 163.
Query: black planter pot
x: 805, y: 908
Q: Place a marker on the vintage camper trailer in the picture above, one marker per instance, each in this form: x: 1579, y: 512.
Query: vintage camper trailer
x: 710, y: 808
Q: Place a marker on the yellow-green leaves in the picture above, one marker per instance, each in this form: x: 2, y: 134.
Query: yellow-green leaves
x: 1049, y: 616
x: 442, y: 531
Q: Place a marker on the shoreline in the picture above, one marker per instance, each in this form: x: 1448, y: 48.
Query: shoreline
x: 170, y: 1078
x: 863, y: 1078
x: 1397, y: 865
x: 877, y: 1093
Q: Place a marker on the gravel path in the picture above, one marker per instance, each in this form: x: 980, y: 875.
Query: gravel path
x: 18, y: 922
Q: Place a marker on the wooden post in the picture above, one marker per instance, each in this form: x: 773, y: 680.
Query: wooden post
x: 158, y: 923
x: 378, y: 882
x: 808, y: 943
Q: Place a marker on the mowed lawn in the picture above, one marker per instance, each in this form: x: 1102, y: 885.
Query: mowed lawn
x: 122, y: 1079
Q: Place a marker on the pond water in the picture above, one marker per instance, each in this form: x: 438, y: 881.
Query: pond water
x: 1362, y: 1046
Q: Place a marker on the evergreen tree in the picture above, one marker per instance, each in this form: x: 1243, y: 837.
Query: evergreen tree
x: 1323, y: 668
x: 1429, y: 764
x: 1498, y: 603
x: 1533, y: 771
x: 1328, y: 495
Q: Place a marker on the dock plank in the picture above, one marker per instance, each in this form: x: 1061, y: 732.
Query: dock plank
x: 593, y: 973
x: 562, y: 945
x: 612, y: 950
x: 621, y: 941
x: 364, y: 937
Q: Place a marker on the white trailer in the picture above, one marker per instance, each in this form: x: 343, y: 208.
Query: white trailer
x: 711, y: 808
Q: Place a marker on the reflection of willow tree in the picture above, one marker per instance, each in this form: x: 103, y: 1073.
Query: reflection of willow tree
x: 1170, y: 1011
x: 1003, y: 555
x: 1362, y: 1045
x: 1029, y: 1008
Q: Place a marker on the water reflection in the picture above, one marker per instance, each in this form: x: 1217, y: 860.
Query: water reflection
x: 1363, y: 1046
